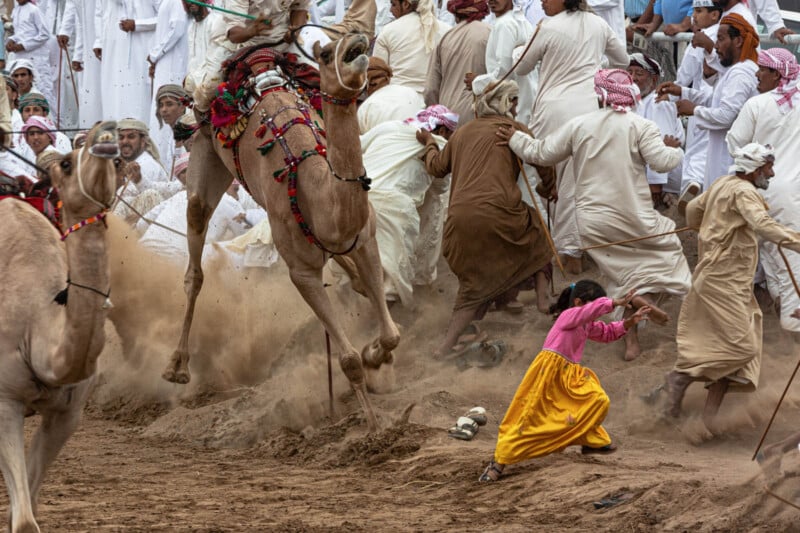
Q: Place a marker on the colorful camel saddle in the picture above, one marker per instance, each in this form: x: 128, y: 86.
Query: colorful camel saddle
x: 248, y: 76
x: 41, y: 196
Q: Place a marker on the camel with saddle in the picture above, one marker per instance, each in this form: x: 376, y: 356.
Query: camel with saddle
x: 308, y: 175
x: 53, y: 306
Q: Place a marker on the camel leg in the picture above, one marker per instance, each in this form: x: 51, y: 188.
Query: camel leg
x: 309, y: 283
x: 206, y: 182
x: 368, y: 261
x: 55, y: 429
x: 12, y: 463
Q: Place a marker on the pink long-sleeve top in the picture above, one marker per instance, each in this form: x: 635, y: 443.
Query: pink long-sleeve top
x: 576, y: 324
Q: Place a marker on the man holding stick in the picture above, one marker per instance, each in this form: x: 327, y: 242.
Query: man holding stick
x: 719, y: 329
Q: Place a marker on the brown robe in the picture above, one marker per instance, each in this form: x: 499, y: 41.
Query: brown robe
x: 492, y: 240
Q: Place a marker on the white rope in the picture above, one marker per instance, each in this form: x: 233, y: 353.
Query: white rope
x: 148, y: 220
x: 80, y: 183
x: 339, y: 75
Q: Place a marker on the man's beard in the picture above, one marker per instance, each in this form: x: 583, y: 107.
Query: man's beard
x: 761, y: 182
x: 726, y: 61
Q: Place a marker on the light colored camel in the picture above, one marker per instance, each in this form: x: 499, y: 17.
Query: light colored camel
x: 329, y: 195
x: 48, y: 352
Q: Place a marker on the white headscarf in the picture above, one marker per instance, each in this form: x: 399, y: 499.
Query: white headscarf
x: 427, y: 18
x: 497, y: 99
x: 751, y: 157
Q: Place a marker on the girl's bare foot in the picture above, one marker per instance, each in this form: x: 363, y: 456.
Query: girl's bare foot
x: 632, y: 347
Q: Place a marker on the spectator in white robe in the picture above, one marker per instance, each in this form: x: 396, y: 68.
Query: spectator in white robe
x: 151, y: 185
x: 124, y: 35
x: 613, y: 12
x: 570, y: 45
x: 462, y: 50
x: 171, y: 101
x: 31, y: 41
x: 201, y: 32
x: 12, y: 93
x: 409, y: 204
x: 710, y: 56
x: 84, y: 62
x: 736, y: 46
x: 617, y: 205
x: 39, y: 136
x: 386, y: 101
x: 224, y: 224
x: 692, y: 73
x: 646, y: 73
x: 406, y: 44
x: 773, y: 118
x: 169, y: 51
x: 510, y: 31
x: 63, y: 51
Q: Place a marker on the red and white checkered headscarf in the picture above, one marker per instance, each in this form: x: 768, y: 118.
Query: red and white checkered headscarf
x: 615, y: 88
x: 434, y: 116
x: 783, y: 61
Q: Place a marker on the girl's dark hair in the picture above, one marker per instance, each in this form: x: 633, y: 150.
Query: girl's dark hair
x: 572, y: 5
x: 586, y: 289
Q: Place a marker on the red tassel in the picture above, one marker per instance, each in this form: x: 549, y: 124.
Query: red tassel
x: 261, y: 131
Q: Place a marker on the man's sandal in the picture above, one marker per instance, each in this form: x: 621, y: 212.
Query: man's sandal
x: 465, y: 429
x: 491, y: 473
x: 603, y: 450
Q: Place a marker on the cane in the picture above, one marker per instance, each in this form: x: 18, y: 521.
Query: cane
x: 58, y: 90
x: 330, y: 375
x: 72, y: 77
x: 637, y: 239
x: 541, y: 219
x: 796, y: 368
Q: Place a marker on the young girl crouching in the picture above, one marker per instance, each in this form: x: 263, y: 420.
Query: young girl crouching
x: 559, y: 402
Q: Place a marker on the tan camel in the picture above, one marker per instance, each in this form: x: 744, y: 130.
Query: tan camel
x: 48, y: 352
x: 330, y: 197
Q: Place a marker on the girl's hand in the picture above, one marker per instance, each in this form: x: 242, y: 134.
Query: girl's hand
x: 626, y: 300
x: 642, y: 313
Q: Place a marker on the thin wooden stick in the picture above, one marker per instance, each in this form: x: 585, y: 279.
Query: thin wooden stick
x: 330, y: 375
x: 784, y: 500
x: 541, y: 219
x: 596, y: 246
x: 58, y: 89
x: 796, y: 368
x: 72, y: 77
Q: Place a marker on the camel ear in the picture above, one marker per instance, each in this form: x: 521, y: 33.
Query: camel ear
x: 317, y: 50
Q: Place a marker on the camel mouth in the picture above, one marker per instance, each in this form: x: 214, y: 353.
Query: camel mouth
x: 106, y: 150
x: 356, y: 50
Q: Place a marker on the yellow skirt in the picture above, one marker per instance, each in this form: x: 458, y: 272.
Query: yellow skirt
x: 558, y: 404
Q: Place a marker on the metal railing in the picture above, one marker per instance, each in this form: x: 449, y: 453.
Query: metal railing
x: 686, y: 37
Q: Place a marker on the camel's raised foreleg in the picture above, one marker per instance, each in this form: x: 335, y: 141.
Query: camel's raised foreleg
x: 368, y: 261
x: 309, y: 283
x: 12, y: 463
x: 206, y: 182
x: 56, y: 427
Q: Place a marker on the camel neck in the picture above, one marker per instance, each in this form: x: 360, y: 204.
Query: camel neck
x: 76, y: 356
x: 344, y: 144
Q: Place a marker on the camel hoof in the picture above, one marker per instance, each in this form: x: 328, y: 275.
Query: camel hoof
x: 374, y: 355
x: 177, y: 370
x: 380, y: 380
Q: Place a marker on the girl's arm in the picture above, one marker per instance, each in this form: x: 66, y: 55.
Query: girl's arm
x: 578, y: 316
x: 602, y: 332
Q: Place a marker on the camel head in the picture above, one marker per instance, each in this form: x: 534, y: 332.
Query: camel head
x: 86, y: 178
x: 343, y: 65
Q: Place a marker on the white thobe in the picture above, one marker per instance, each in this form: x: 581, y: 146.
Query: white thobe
x: 170, y: 45
x: 690, y: 74
x: 761, y: 121
x: 570, y: 46
x: 172, y: 214
x: 402, y: 45
x: 510, y: 31
x: 124, y: 70
x: 610, y: 151
x: 31, y: 31
x: 66, y: 112
x: 409, y: 204
x: 78, y: 21
x: 392, y: 102
x: 717, y: 112
x: 613, y: 12
x: 665, y: 116
x: 200, y: 36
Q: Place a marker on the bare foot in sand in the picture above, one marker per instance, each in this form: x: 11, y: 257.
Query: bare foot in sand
x: 632, y: 347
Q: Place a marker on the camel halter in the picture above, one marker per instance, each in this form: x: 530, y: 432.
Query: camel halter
x: 339, y: 75
x: 103, y: 206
